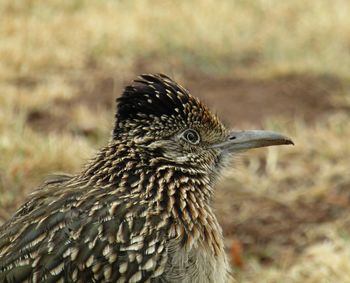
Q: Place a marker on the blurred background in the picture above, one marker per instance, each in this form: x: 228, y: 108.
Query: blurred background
x: 277, y: 65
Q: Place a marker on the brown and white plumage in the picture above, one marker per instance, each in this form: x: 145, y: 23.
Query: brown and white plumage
x: 141, y: 210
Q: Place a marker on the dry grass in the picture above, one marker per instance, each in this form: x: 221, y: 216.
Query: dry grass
x: 41, y: 37
x: 287, y: 207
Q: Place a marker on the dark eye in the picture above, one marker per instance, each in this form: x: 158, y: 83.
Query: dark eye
x: 191, y: 136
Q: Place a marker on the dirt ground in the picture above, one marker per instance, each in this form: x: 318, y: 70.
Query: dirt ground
x: 238, y: 102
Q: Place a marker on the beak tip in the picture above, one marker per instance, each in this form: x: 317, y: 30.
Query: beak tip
x: 289, y: 141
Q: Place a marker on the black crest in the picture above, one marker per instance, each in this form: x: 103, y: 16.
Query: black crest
x: 155, y: 95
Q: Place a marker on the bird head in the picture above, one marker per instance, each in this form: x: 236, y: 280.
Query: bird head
x: 161, y: 118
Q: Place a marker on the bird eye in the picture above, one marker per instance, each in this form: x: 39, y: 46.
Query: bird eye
x: 191, y: 136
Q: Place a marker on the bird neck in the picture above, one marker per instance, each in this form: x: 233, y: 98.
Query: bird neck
x: 179, y: 192
x: 121, y: 165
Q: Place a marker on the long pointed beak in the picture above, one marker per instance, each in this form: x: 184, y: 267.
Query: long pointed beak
x: 252, y: 139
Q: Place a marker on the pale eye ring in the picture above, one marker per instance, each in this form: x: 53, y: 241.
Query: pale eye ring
x: 191, y: 136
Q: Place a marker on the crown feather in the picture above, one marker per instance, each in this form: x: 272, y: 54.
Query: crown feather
x: 155, y: 95
x: 153, y: 102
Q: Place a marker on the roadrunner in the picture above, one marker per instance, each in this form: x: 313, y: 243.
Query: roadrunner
x: 141, y: 211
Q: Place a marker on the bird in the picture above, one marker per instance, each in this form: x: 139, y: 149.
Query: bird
x: 140, y: 210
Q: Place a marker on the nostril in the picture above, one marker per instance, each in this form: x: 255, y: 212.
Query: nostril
x: 232, y: 138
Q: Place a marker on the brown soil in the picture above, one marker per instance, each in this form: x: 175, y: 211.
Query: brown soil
x: 239, y: 102
x: 272, y: 231
x: 46, y: 121
x: 242, y: 102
